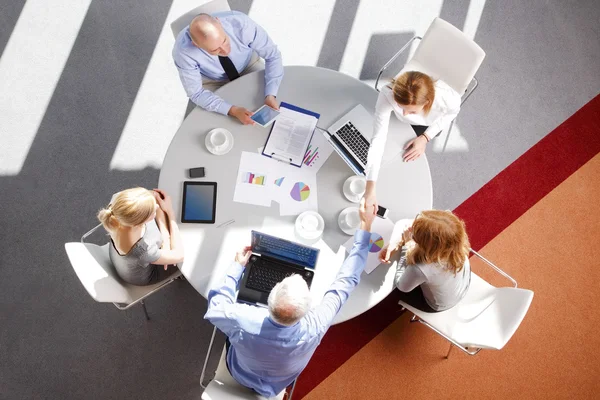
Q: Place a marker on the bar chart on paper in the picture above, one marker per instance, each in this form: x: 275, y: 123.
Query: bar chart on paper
x: 253, y: 179
x: 312, y: 154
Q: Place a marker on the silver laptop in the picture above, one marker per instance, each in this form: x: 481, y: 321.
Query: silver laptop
x: 351, y: 137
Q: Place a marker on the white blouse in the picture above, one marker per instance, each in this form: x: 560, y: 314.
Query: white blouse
x: 445, y: 107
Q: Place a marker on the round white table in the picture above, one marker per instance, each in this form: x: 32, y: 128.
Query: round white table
x: 404, y: 188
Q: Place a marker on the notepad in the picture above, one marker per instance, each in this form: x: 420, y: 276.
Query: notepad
x: 291, y: 134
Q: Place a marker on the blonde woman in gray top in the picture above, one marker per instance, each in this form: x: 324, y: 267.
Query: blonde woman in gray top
x: 433, y: 272
x: 144, y: 236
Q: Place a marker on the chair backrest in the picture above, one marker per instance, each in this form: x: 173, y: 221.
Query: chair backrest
x: 207, y: 8
x: 494, y: 325
x: 224, y: 387
x: 446, y: 53
x: 95, y: 271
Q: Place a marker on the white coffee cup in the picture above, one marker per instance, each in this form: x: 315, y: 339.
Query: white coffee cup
x: 358, y: 186
x: 352, y: 219
x: 218, y: 140
x: 310, y: 223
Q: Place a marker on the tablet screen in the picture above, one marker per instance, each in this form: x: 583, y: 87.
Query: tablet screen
x: 199, y: 202
x: 265, y: 115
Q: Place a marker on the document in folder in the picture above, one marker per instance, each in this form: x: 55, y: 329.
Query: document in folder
x: 291, y: 134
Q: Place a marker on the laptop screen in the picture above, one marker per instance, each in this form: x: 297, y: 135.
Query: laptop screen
x: 284, y: 250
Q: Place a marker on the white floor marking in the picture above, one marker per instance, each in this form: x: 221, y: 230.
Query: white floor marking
x: 30, y: 67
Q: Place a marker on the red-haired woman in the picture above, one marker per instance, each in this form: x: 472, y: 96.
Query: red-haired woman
x: 433, y: 272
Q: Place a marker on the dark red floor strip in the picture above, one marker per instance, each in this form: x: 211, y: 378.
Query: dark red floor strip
x: 487, y: 213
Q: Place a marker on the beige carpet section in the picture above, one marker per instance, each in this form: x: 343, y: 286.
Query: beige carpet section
x: 554, y: 250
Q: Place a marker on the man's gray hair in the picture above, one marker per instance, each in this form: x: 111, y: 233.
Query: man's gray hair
x: 289, y: 301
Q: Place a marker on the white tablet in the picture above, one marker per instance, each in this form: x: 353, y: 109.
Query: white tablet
x: 264, y: 115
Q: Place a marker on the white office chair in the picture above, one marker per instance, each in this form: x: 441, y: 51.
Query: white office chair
x: 97, y: 274
x: 224, y: 387
x: 486, y: 318
x: 444, y: 53
x: 208, y: 7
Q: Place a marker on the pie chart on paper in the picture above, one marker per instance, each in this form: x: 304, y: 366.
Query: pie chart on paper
x: 375, y: 243
x: 300, y: 191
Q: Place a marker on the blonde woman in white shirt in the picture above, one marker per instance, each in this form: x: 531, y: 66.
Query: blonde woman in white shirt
x: 430, y: 106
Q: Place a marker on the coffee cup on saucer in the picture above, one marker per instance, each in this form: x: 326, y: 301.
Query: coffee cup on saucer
x: 354, y: 188
x: 219, y: 141
x: 349, y: 220
x: 310, y: 225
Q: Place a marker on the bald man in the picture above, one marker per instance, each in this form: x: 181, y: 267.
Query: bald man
x: 215, y: 49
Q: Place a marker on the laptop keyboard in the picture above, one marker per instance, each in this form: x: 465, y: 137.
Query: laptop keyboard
x: 287, y: 249
x: 263, y: 276
x: 355, y: 141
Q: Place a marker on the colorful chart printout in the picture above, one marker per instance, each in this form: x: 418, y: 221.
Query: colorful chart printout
x: 279, y: 181
x: 300, y: 191
x: 376, y: 243
x: 253, y: 179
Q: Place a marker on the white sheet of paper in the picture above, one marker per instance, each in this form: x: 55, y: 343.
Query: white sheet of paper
x: 297, y: 191
x: 317, y: 153
x: 381, y: 230
x: 290, y: 135
x: 254, y: 180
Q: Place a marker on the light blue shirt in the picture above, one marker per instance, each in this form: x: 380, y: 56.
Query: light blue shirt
x: 264, y: 355
x: 245, y: 37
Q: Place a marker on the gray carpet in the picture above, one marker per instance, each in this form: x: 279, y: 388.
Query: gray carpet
x: 542, y: 64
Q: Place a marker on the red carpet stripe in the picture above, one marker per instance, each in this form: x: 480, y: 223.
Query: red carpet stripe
x: 532, y: 176
x: 487, y: 213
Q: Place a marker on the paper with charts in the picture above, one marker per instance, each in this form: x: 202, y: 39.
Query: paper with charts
x: 381, y: 231
x: 260, y: 180
x: 317, y: 153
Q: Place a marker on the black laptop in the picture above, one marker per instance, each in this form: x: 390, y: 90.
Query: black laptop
x: 272, y: 260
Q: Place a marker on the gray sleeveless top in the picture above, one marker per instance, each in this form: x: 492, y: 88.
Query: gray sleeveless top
x: 136, y: 266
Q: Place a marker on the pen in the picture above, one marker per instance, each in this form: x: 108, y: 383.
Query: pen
x: 231, y: 221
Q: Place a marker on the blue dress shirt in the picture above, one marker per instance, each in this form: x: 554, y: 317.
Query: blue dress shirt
x: 245, y: 37
x: 264, y: 355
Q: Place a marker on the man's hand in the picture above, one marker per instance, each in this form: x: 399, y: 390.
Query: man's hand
x: 242, y: 114
x: 272, y: 102
x: 415, y: 148
x: 367, y: 215
x: 243, y: 256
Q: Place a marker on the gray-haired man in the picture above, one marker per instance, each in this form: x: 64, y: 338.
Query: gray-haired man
x: 270, y: 347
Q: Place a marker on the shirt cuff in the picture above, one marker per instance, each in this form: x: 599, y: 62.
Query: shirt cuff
x: 362, y: 237
x: 235, y: 271
x: 224, y: 108
x: 271, y: 89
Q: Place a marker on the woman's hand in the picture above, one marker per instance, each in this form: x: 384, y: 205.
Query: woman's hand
x: 386, y: 254
x: 415, y: 148
x: 370, y: 196
x: 164, y: 202
x: 243, y: 256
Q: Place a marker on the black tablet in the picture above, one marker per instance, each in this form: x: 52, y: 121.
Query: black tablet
x: 199, y: 202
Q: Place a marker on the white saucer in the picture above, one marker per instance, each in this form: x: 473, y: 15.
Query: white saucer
x: 342, y: 223
x: 346, y: 189
x: 313, y: 234
x: 210, y: 147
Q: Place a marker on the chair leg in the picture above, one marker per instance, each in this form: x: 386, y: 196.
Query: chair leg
x: 448, y: 136
x: 212, y: 339
x: 449, y: 350
x: 414, y: 319
x: 291, y: 393
x: 145, y: 311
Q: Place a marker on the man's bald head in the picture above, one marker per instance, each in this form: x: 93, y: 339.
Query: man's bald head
x: 208, y: 34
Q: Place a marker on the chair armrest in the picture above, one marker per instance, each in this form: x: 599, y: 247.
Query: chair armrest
x: 488, y: 262
x: 387, y: 64
x: 88, y: 233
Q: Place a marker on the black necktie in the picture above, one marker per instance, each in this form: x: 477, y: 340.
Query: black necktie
x: 229, y: 68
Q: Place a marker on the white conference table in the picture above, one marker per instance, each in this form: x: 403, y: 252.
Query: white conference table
x: 404, y: 188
